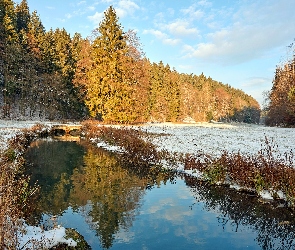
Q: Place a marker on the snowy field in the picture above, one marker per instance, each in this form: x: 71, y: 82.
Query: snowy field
x: 210, y: 138
x: 213, y: 138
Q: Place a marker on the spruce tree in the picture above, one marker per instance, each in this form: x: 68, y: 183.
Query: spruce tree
x: 22, y: 16
x: 109, y: 91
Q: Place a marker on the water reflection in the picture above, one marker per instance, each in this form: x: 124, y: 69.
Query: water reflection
x: 118, y: 207
x: 74, y: 175
x: 273, y: 223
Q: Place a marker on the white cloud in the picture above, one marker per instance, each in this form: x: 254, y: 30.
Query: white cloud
x: 181, y: 28
x: 81, y: 3
x: 127, y: 4
x: 256, y: 82
x: 96, y: 18
x: 192, y: 12
x: 61, y: 20
x: 162, y: 36
x: 255, y: 30
x: 170, y: 41
x: 126, y: 7
x: 171, y: 11
x: 91, y: 8
x: 204, y: 3
x: 158, y: 34
x: 106, y: 1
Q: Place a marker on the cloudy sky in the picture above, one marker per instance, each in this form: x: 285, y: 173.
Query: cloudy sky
x: 238, y: 42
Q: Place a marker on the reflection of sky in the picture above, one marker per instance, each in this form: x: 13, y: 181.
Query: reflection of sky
x: 167, y: 220
x: 78, y: 220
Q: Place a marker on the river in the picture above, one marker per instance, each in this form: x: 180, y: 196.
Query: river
x: 118, y: 207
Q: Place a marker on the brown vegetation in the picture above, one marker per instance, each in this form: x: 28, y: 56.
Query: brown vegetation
x: 281, y: 108
x: 264, y: 171
x: 16, y: 197
x: 255, y: 173
x: 136, y: 146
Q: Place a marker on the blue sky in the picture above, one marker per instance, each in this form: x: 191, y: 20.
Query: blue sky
x: 238, y: 42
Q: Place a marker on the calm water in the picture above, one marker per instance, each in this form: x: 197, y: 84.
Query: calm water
x: 115, y: 207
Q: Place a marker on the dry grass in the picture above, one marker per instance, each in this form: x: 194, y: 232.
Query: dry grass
x: 264, y: 171
x: 137, y: 149
x: 15, y: 194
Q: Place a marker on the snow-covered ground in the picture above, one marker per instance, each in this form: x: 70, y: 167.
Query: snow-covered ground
x: 8, y: 128
x: 210, y: 138
x: 213, y: 138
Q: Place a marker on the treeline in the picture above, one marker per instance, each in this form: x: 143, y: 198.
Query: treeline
x: 51, y: 75
x: 281, y: 107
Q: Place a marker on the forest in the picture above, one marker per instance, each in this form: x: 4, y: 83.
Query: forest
x: 51, y: 75
x: 281, y: 98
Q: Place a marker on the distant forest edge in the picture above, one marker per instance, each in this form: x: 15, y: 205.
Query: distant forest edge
x: 51, y: 75
x: 280, y: 110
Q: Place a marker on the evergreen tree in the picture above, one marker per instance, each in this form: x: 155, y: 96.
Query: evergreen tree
x: 109, y: 91
x: 8, y: 20
x: 22, y: 16
x: 138, y: 75
x: 9, y: 53
x: 173, y: 96
x: 82, y: 49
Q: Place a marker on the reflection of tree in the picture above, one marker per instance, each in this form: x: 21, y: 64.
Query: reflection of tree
x: 92, y: 181
x: 274, y: 225
x: 51, y: 164
x: 114, y: 193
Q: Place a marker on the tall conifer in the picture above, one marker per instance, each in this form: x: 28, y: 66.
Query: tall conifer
x: 109, y: 91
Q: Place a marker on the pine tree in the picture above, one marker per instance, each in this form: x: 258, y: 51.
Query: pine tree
x: 109, y: 91
x: 9, y: 53
x: 8, y: 20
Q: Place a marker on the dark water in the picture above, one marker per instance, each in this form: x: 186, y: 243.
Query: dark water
x: 115, y: 207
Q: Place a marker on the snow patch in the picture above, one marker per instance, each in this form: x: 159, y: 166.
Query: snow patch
x: 265, y: 194
x: 109, y: 147
x: 236, y: 187
x: 32, y: 236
